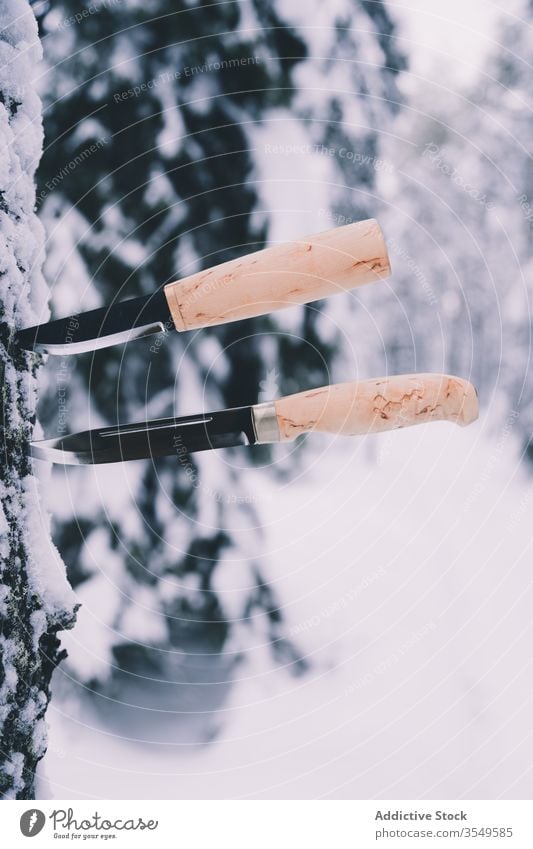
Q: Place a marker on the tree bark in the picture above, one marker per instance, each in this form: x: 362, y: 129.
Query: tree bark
x: 35, y: 599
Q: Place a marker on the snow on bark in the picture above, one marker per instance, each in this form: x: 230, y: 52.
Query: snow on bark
x: 35, y: 600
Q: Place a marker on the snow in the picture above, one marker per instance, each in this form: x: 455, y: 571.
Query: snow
x: 40, y: 737
x: 291, y: 171
x: 414, y: 614
x: 63, y: 262
x: 9, y: 684
x: 46, y: 570
x: 89, y: 643
x: 170, y: 138
x: 19, y: 29
x: 141, y: 622
x: 458, y: 36
x: 232, y: 583
x: 4, y: 593
x: 4, y: 544
x: 14, y: 766
x: 20, y: 242
x: 38, y: 624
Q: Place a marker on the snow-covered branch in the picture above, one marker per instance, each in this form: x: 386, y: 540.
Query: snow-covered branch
x: 35, y: 599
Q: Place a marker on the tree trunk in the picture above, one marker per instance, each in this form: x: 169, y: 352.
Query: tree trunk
x: 35, y: 599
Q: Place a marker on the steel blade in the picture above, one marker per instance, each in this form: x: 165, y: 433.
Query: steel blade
x: 100, y: 328
x: 159, y: 438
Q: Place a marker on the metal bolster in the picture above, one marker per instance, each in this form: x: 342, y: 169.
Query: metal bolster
x: 265, y: 423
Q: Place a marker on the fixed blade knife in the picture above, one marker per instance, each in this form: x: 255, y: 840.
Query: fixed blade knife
x: 298, y: 272
x: 349, y: 409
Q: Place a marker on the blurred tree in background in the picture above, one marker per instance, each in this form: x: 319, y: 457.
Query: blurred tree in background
x: 461, y: 211
x: 180, y: 135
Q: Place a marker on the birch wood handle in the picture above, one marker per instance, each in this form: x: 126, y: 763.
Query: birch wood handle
x: 268, y: 280
x: 371, y: 406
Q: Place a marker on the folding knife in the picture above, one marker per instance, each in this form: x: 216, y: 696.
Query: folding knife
x: 295, y: 273
x: 367, y: 406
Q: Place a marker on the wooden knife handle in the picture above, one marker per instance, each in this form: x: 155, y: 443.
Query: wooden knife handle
x: 277, y: 277
x: 371, y: 406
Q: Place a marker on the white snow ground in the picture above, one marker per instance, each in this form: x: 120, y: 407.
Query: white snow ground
x: 403, y: 562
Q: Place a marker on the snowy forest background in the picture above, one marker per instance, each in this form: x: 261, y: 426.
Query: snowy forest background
x: 342, y: 617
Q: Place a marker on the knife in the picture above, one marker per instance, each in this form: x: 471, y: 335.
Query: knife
x: 351, y: 409
x: 294, y: 273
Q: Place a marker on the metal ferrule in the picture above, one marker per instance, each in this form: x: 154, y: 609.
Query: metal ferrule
x: 265, y: 423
